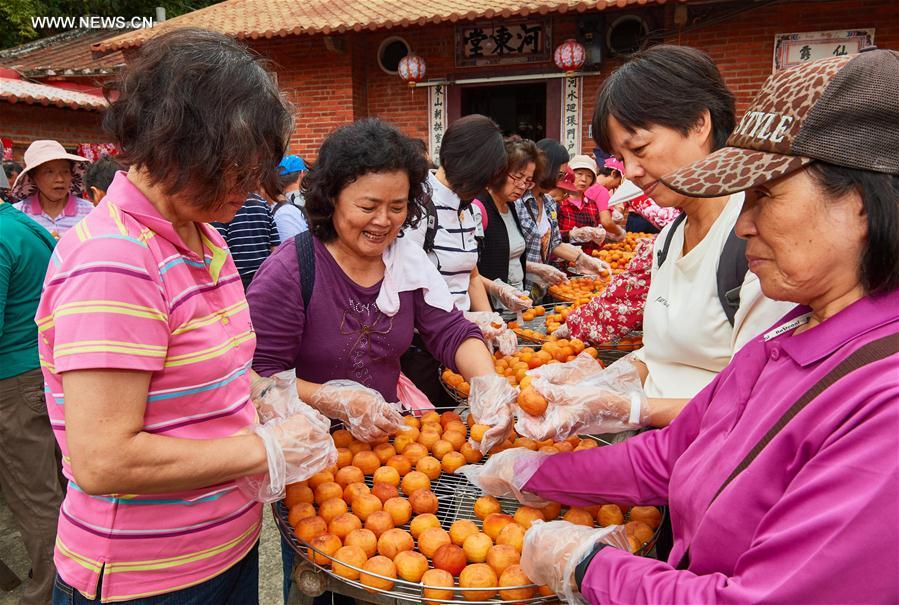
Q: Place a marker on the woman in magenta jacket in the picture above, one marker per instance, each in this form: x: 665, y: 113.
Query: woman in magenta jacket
x: 782, y: 474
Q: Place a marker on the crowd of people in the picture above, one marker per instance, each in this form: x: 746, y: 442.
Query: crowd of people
x: 181, y: 324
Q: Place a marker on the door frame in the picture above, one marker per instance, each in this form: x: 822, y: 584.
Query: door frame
x: 553, y: 102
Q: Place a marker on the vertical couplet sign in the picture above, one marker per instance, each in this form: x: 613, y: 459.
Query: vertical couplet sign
x: 436, y: 120
x: 571, y: 114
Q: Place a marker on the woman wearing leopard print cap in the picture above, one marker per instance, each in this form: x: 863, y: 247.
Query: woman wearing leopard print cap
x: 781, y: 475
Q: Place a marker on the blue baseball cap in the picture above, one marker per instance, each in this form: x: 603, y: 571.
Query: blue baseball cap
x: 291, y: 163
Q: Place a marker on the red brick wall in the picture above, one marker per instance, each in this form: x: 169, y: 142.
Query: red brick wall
x: 743, y: 47
x: 330, y: 88
x: 317, y: 81
x: 26, y: 123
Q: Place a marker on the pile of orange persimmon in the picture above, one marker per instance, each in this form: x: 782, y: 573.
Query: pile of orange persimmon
x: 372, y: 517
x: 579, y: 289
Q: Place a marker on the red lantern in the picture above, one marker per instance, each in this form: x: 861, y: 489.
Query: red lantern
x: 411, y: 69
x: 570, y: 56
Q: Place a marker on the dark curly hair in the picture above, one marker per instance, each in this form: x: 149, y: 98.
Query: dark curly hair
x: 364, y: 147
x: 200, y: 112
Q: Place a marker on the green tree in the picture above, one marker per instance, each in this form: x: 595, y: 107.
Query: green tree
x: 16, y: 15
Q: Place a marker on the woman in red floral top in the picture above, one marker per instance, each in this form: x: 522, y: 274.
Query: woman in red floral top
x: 618, y: 311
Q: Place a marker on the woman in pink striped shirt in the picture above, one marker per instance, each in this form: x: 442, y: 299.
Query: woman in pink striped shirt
x: 146, y: 343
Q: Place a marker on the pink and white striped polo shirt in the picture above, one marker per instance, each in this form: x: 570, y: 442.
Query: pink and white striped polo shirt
x: 72, y: 213
x: 123, y: 291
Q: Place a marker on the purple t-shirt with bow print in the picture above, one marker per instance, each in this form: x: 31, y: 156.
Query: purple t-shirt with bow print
x: 343, y: 334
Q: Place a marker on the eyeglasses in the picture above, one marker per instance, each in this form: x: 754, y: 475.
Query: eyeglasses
x: 522, y: 180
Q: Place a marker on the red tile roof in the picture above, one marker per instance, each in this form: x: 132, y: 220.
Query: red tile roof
x: 21, y: 91
x: 275, y: 18
x: 65, y: 54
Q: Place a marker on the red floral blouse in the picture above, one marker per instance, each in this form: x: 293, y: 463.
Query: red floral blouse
x: 618, y: 311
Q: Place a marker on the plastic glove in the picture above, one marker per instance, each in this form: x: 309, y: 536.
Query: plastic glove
x: 296, y: 448
x: 546, y: 274
x: 505, y: 474
x: 512, y: 298
x: 489, y: 323
x: 562, y: 331
x: 618, y: 217
x: 363, y: 411
x: 490, y: 403
x: 589, y: 265
x: 580, y: 368
x: 275, y: 396
x: 582, y: 235
x: 610, y: 401
x: 552, y: 551
x: 495, y: 331
x: 507, y: 342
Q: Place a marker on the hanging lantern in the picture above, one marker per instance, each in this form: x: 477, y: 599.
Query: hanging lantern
x: 411, y: 69
x: 570, y: 56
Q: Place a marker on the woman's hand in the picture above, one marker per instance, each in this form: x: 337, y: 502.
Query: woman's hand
x: 490, y: 403
x: 588, y: 265
x: 547, y: 274
x: 505, y: 474
x: 552, y: 551
x: 296, y: 448
x: 512, y: 298
x: 583, y: 235
x: 583, y: 401
x: 494, y: 330
x: 363, y: 411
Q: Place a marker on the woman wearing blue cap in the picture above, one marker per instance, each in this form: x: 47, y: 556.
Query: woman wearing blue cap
x: 289, y: 216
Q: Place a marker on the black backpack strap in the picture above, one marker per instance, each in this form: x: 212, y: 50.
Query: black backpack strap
x: 732, y: 268
x: 866, y: 354
x: 430, y: 223
x: 306, y: 264
x: 662, y: 254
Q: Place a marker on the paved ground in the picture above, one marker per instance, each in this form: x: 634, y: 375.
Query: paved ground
x: 13, y: 554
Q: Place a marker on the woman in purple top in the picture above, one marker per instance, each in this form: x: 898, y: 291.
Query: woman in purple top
x: 782, y: 485
x: 364, y: 189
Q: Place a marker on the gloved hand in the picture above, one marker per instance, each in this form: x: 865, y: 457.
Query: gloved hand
x: 589, y: 265
x: 547, y: 274
x: 507, y: 342
x: 363, y: 411
x: 275, y: 396
x: 609, y: 401
x: 296, y: 447
x: 582, y: 235
x: 618, y: 217
x: 490, y: 402
x: 495, y: 331
x: 552, y: 551
x: 513, y: 298
x: 562, y: 331
x: 580, y: 368
x: 506, y: 473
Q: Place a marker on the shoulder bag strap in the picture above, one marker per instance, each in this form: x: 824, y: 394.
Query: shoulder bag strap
x: 306, y: 265
x: 662, y: 254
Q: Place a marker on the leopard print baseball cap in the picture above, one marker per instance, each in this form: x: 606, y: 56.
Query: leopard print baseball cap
x: 841, y: 110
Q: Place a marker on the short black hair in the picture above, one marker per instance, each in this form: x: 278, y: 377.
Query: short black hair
x: 555, y: 155
x: 669, y: 86
x: 472, y: 154
x: 368, y: 146
x: 194, y: 109
x: 288, y: 179
x: 880, y: 196
x: 11, y: 167
x: 100, y: 173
